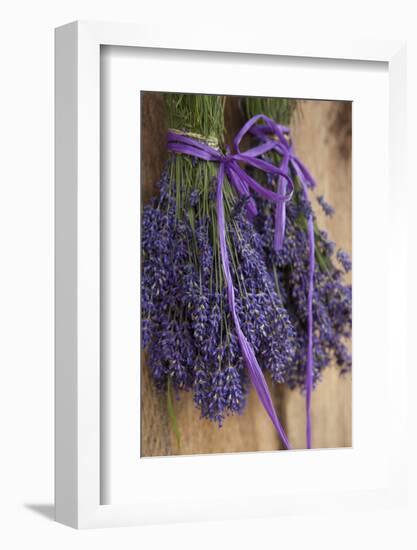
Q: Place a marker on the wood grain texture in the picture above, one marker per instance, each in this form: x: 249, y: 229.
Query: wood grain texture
x: 155, y: 429
x: 321, y: 134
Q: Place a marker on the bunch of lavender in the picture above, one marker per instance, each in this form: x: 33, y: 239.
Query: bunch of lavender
x: 332, y: 298
x: 187, y: 328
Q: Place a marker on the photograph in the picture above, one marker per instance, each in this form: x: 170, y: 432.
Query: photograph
x: 246, y: 273
x: 208, y: 268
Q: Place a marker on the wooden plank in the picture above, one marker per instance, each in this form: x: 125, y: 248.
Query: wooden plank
x: 155, y: 430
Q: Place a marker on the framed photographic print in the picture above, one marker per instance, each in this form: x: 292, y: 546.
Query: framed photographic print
x: 222, y: 207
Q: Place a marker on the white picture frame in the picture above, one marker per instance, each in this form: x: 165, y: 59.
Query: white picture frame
x: 78, y: 405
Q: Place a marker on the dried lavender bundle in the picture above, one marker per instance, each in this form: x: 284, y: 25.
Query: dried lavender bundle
x: 332, y: 297
x: 187, y: 327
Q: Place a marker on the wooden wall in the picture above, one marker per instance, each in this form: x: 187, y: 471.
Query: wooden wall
x: 322, y: 137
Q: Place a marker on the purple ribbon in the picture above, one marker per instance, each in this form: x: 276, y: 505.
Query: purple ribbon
x: 243, y: 183
x: 277, y: 137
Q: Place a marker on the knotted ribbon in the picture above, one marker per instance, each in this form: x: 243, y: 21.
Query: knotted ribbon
x: 277, y: 137
x: 243, y: 183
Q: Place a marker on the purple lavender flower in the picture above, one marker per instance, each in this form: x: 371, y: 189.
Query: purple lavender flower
x: 345, y: 260
x: 327, y: 208
x: 264, y: 319
x: 194, y: 196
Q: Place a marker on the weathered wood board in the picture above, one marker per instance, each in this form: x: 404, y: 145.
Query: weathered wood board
x: 322, y: 139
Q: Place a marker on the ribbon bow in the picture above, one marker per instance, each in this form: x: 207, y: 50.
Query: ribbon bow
x: 238, y: 177
x: 243, y: 183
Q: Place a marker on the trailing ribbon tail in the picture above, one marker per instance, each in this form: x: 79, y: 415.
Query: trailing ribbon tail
x: 309, y: 366
x: 283, y: 146
x: 255, y: 372
x: 280, y: 209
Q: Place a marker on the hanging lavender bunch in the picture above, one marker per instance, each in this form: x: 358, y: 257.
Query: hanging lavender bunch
x: 187, y: 328
x: 332, y: 298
